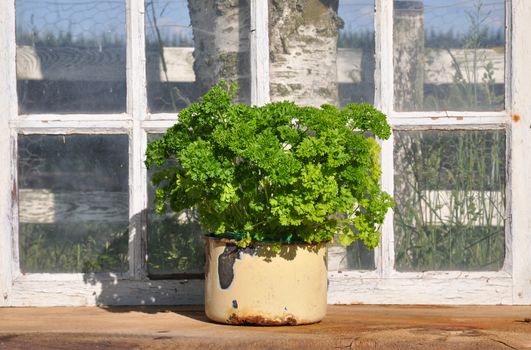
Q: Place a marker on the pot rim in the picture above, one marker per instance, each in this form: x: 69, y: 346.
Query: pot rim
x: 226, y: 240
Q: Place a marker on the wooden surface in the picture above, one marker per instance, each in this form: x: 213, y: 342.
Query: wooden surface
x: 345, y: 327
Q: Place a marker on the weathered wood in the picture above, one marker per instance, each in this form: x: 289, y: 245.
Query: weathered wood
x: 91, y: 290
x: 259, y: 51
x: 137, y: 106
x: 440, y: 288
x: 344, y: 288
x: 8, y: 110
x: 520, y: 171
x: 383, y: 100
x: 46, y: 207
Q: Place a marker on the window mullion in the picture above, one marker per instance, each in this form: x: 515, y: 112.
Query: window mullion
x: 8, y: 109
x: 259, y: 54
x: 384, y: 102
x: 137, y: 108
x: 520, y: 165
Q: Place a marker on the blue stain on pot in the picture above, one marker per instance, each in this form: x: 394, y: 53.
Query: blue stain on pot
x: 226, y: 266
x: 226, y: 262
x: 235, y: 304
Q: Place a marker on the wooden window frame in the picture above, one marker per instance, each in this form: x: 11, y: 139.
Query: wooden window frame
x: 383, y: 285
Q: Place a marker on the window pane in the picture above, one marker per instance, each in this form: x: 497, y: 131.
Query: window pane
x: 191, y: 45
x: 71, y: 56
x: 450, y: 200
x: 449, y: 56
x: 73, y: 203
x: 175, y: 243
x: 322, y: 51
x: 355, y: 53
x: 354, y: 257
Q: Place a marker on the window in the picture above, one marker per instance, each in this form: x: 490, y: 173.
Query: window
x: 86, y: 84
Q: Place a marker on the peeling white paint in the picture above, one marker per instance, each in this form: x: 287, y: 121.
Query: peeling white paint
x: 520, y: 186
x: 8, y: 109
x: 383, y: 285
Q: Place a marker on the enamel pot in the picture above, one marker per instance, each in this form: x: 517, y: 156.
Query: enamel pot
x: 255, y: 285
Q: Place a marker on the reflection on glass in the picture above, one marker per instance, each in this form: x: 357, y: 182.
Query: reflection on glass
x: 71, y: 56
x: 191, y: 45
x: 450, y: 200
x: 449, y: 56
x: 175, y: 244
x: 355, y: 52
x: 73, y: 203
x: 322, y: 52
x: 354, y: 257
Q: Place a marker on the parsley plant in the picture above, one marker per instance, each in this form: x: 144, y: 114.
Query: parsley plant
x: 277, y: 173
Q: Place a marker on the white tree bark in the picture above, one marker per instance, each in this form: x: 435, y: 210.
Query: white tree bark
x: 408, y: 40
x: 221, y: 43
x: 303, y: 51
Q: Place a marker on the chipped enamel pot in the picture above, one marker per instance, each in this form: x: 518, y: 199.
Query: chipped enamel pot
x: 254, y: 285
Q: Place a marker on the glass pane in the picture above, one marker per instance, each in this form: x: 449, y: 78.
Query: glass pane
x: 175, y: 243
x: 450, y: 200
x: 71, y: 56
x: 322, y: 51
x: 355, y: 52
x: 191, y: 45
x: 354, y: 257
x: 73, y: 203
x: 449, y: 56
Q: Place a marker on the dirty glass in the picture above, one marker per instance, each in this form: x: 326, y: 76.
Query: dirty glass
x: 355, y: 52
x: 449, y: 55
x: 354, y: 257
x: 175, y: 244
x: 450, y: 200
x: 322, y: 51
x: 73, y: 203
x: 71, y: 56
x: 191, y: 45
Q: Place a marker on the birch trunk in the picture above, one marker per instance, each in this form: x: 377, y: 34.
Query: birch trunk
x: 408, y: 38
x: 303, y: 51
x: 221, y: 43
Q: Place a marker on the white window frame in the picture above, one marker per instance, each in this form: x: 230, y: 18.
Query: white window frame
x: 511, y: 285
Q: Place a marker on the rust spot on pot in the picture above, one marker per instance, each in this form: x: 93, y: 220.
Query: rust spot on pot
x: 516, y: 118
x: 260, y: 320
